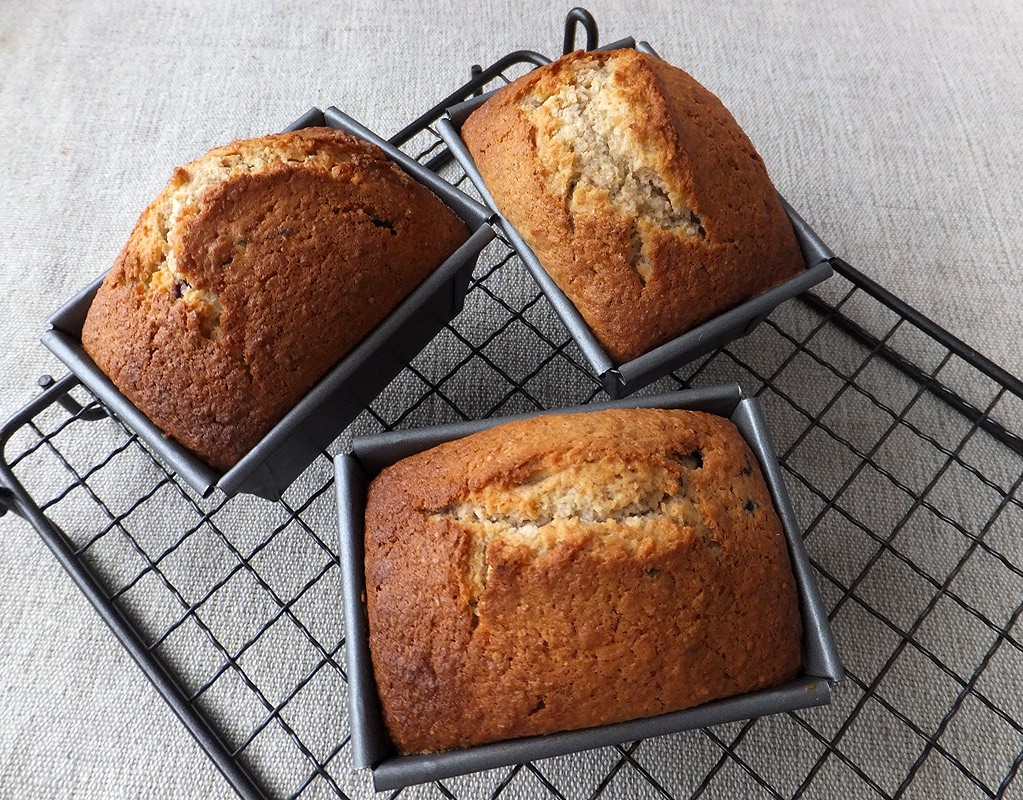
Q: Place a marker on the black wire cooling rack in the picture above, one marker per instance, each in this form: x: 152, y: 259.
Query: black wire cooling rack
x: 900, y: 447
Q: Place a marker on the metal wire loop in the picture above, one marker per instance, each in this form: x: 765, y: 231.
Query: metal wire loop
x: 576, y: 17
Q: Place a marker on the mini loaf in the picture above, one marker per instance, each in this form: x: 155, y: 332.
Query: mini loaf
x: 573, y: 570
x: 637, y: 191
x: 255, y: 270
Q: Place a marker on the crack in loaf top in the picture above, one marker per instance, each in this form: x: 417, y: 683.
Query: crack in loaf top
x: 638, y: 192
x: 252, y: 273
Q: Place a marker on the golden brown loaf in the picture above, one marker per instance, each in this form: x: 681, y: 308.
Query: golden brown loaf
x: 638, y: 192
x: 573, y: 570
x: 253, y: 272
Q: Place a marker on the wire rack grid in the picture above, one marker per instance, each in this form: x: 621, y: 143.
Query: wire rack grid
x: 900, y: 448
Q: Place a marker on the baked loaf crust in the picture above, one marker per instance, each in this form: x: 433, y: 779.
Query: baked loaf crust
x: 637, y: 191
x: 574, y: 570
x: 254, y: 271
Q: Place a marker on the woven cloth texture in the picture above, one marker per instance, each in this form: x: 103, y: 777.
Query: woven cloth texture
x: 893, y: 128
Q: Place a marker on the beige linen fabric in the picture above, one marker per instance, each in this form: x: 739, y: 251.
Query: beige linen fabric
x: 894, y: 128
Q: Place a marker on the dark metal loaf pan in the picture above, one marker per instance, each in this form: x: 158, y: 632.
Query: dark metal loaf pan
x: 371, y: 748
x: 327, y: 409
x: 623, y: 379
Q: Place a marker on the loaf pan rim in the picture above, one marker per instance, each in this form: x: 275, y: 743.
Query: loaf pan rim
x: 621, y: 379
x: 370, y: 747
x: 254, y: 473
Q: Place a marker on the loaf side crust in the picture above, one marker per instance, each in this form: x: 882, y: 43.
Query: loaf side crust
x: 637, y: 190
x: 574, y: 570
x: 256, y: 269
